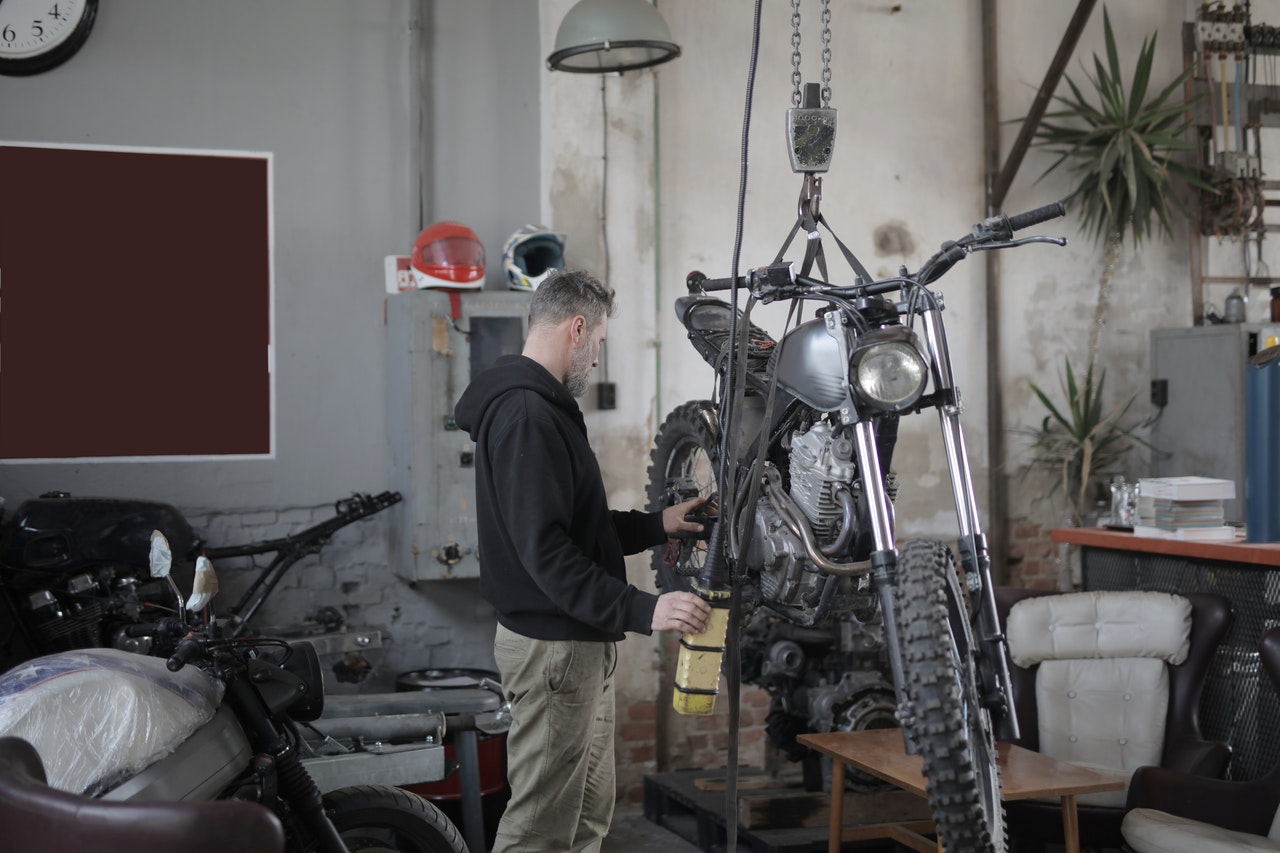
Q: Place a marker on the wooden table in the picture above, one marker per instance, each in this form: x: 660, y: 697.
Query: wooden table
x: 1023, y: 775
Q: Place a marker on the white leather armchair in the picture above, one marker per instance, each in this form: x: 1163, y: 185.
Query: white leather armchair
x: 1111, y: 681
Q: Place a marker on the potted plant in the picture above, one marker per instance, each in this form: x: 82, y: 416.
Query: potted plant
x: 1081, y: 443
x: 1120, y: 147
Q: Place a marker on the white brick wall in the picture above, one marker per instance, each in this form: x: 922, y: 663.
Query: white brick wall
x: 424, y: 624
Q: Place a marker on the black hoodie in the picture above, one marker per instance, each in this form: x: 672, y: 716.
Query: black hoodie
x: 551, y: 550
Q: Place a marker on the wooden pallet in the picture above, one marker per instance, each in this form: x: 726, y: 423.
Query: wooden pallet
x: 772, y: 816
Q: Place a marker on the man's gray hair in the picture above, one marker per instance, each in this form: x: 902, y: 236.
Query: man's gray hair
x: 567, y: 293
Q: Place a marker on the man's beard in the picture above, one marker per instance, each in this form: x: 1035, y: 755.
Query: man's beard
x: 579, y: 369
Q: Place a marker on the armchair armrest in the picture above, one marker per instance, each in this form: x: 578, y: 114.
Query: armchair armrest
x: 1198, y: 757
x: 1239, y: 806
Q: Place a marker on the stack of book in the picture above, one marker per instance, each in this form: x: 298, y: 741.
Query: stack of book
x: 1183, y: 508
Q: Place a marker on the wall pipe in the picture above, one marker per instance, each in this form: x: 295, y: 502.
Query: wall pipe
x: 997, y: 183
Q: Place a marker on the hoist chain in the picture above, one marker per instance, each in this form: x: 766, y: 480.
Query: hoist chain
x: 826, y: 53
x: 795, y: 53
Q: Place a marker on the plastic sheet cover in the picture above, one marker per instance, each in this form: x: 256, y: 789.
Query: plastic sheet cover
x: 99, y: 716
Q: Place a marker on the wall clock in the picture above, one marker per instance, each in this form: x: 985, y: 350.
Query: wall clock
x: 36, y: 35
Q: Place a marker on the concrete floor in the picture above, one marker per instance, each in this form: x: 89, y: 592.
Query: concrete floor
x: 632, y: 833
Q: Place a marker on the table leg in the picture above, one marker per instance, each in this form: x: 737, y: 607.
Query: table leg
x: 835, y: 830
x: 1070, y: 824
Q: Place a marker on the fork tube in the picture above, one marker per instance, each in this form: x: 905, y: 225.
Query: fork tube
x: 873, y: 485
x: 952, y: 433
x: 884, y: 558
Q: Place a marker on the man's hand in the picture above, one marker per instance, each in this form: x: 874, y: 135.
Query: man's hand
x: 673, y: 520
x: 681, y: 611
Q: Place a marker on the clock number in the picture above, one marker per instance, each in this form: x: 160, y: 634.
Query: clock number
x: 54, y: 13
x: 8, y: 34
x: 37, y: 29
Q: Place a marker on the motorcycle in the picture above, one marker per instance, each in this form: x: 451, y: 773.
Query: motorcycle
x: 796, y: 458
x: 215, y: 716
x: 73, y: 572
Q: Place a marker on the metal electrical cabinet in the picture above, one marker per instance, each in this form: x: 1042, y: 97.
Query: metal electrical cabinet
x: 437, y: 343
x: 1199, y: 373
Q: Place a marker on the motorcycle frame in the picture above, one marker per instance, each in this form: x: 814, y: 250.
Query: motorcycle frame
x: 981, y: 638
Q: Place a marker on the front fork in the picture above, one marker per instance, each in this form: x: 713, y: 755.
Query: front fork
x: 989, y: 655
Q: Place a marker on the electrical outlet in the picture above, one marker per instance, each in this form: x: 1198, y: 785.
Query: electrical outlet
x: 1160, y: 393
x: 607, y: 395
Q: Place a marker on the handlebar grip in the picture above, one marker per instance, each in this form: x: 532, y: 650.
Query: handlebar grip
x: 1035, y: 217
x: 182, y: 655
x: 710, y: 284
x: 145, y: 629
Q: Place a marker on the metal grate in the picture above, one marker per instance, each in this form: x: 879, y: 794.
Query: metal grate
x: 1239, y: 705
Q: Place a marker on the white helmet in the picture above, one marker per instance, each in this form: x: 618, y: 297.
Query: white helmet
x: 529, y: 256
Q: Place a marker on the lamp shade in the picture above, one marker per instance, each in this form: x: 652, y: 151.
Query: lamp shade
x: 603, y: 36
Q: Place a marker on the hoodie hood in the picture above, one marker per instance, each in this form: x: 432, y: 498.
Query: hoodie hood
x: 511, y: 373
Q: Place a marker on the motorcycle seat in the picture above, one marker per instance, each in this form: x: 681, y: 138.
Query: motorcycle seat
x: 37, y: 817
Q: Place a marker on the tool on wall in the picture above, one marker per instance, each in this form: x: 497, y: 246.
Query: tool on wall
x: 1229, y: 53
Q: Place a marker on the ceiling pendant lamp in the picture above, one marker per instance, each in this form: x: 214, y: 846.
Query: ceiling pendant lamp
x: 606, y: 36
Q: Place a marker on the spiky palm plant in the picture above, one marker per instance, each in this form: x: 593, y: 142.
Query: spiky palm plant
x: 1120, y: 149
x: 1081, y: 442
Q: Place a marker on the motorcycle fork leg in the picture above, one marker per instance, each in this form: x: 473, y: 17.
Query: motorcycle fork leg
x: 975, y: 560
x: 885, y: 579
x: 293, y: 782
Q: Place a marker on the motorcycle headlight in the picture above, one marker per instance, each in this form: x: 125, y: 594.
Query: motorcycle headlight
x: 887, y: 370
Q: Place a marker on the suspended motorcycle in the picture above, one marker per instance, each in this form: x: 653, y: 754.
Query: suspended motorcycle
x: 216, y: 719
x: 797, y: 457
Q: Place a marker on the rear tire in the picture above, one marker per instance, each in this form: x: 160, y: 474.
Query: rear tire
x: 383, y: 819
x: 686, y: 451
x: 942, y: 717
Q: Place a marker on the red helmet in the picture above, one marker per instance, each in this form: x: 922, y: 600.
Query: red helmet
x: 448, y: 255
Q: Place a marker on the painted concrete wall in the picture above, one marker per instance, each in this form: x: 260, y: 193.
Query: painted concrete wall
x: 381, y: 117
x: 385, y: 116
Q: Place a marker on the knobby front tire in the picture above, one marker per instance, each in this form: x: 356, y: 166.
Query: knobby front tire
x: 942, y: 717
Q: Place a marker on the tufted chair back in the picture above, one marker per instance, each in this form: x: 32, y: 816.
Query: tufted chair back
x: 1101, y: 673
x: 1110, y: 680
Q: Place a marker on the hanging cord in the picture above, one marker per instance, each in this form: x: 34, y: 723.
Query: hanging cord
x: 604, y: 210
x: 733, y: 657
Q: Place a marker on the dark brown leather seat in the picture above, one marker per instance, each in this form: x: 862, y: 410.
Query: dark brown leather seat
x: 1174, y: 812
x: 37, y: 817
x: 1183, y: 747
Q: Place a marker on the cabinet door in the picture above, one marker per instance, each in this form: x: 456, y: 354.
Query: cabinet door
x: 1201, y: 430
x: 437, y: 344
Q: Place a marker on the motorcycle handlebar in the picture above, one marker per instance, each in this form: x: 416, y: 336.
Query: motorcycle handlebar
x: 158, y: 628
x: 775, y: 280
x: 188, y: 649
x: 1034, y: 217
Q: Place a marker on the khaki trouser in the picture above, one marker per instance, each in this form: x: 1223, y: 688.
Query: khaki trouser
x: 560, y: 745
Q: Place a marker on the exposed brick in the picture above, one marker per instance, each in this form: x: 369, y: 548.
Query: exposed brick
x: 642, y: 711
x: 635, y: 732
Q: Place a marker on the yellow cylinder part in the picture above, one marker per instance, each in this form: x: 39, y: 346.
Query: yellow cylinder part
x: 698, y: 666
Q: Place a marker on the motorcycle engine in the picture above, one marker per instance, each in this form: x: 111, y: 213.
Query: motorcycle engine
x: 74, y: 571
x: 821, y: 468
x: 833, y: 676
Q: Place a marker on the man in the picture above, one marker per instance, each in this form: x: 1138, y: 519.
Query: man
x: 551, y: 564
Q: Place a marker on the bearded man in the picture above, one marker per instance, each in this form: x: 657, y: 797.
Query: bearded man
x: 551, y: 564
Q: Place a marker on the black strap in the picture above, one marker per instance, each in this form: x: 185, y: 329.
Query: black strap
x: 813, y: 248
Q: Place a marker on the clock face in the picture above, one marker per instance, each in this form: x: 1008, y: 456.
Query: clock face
x: 36, y: 35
